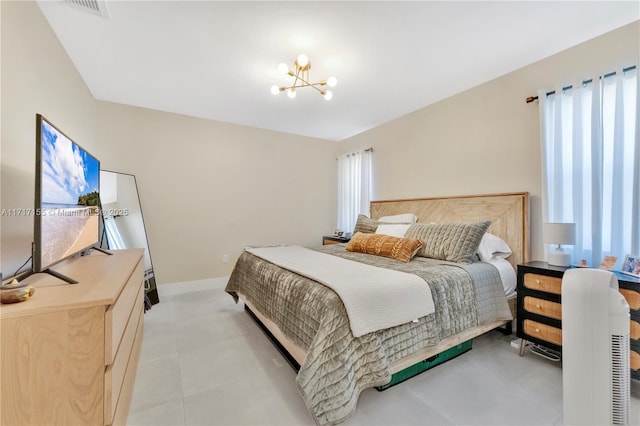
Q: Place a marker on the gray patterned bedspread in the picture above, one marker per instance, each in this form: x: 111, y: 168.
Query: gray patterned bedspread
x: 339, y: 366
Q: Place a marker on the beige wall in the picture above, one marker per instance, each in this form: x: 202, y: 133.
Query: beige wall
x: 207, y: 188
x: 486, y: 139
x: 37, y: 77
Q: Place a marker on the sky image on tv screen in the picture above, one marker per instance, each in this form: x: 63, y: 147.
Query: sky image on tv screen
x: 69, y: 174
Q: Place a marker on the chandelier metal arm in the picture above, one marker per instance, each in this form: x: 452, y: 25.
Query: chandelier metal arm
x: 305, y: 84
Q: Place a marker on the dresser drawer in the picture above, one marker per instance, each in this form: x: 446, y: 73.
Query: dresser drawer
x: 543, y: 283
x: 124, y: 400
x: 114, y: 375
x: 543, y: 332
x: 118, y: 314
x: 543, y: 307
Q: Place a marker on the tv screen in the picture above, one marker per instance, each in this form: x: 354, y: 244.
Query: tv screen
x: 66, y: 197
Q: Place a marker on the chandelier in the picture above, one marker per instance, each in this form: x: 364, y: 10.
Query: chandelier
x: 301, y: 79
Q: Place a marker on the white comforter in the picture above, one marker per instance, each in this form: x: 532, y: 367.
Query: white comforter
x: 375, y: 298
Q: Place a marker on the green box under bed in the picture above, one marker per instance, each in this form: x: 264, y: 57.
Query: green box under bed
x: 426, y: 364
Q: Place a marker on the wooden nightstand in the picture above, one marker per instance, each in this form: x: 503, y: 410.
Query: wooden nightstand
x: 330, y: 239
x: 539, y: 307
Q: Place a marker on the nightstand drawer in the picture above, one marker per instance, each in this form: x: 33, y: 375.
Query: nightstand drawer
x: 543, y: 283
x: 634, y: 330
x: 635, y: 361
x: 543, y: 332
x: 633, y: 298
x: 543, y: 307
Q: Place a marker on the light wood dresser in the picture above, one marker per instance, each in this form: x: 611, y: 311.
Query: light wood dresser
x: 69, y: 355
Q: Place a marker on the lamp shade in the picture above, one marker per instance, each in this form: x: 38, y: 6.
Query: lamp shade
x: 559, y: 233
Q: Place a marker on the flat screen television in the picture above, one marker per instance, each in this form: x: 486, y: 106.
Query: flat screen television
x: 67, y: 203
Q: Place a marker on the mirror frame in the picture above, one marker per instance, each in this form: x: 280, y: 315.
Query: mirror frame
x: 150, y: 287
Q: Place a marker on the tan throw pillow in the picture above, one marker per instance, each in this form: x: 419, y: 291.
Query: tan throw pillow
x: 402, y: 249
x: 454, y: 242
x: 365, y: 225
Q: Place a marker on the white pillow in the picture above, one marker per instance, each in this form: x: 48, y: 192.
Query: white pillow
x: 393, y: 229
x: 399, y: 218
x: 493, y: 248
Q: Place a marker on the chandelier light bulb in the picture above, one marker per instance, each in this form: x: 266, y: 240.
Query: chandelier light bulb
x: 275, y: 89
x: 283, y: 68
x: 332, y: 81
x: 328, y: 95
x: 291, y: 93
x: 303, y: 60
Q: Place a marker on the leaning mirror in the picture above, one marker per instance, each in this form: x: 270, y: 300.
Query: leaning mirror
x: 123, y: 224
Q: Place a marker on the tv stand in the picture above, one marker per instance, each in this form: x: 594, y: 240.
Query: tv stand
x: 101, y: 250
x: 50, y: 272
x: 60, y: 276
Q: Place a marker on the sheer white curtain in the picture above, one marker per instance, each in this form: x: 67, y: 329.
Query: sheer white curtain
x: 354, y: 188
x: 590, y: 135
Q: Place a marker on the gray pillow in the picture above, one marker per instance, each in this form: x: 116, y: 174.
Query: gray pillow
x: 365, y: 225
x: 454, y: 242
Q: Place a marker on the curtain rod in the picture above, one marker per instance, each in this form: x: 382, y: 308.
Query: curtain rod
x: 611, y: 74
x: 370, y: 149
x: 365, y: 150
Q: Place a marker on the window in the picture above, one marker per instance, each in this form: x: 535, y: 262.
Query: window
x: 354, y: 187
x: 591, y: 164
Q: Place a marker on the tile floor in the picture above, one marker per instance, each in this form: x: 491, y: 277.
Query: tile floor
x: 205, y: 362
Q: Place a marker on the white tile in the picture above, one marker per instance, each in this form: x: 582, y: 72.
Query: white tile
x: 156, y: 345
x: 169, y: 413
x: 214, y: 327
x: 159, y: 332
x: 536, y: 376
x: 158, y: 381
x: 217, y: 364
x: 205, y: 362
x: 243, y: 404
x: 467, y: 392
x: 394, y: 406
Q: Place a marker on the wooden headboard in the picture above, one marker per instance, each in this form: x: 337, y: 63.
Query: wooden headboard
x: 508, y: 213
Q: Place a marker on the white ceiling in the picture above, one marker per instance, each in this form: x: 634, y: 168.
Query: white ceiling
x: 218, y: 60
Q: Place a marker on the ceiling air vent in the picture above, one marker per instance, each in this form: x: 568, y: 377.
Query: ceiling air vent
x: 97, y: 7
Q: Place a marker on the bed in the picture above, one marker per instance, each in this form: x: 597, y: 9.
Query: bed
x: 309, y: 323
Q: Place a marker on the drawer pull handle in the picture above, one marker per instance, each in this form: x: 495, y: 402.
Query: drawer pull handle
x: 539, y: 306
x: 537, y: 330
x: 537, y: 281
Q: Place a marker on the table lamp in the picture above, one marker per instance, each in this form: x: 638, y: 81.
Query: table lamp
x: 559, y: 234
